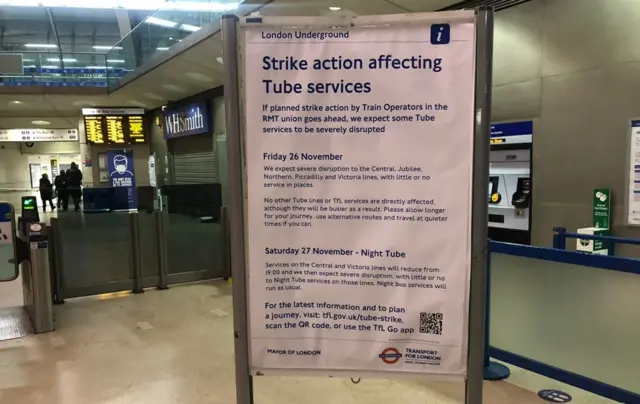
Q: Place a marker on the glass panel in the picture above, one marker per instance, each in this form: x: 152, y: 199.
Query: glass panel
x: 162, y: 29
x: 53, y: 69
x: 192, y: 244
x: 584, y: 320
x: 192, y: 217
x: 95, y: 249
x: 146, y: 244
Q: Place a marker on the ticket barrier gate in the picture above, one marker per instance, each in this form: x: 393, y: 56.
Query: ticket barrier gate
x: 24, y: 249
x: 32, y: 251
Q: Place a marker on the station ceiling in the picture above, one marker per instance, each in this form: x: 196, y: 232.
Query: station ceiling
x: 189, y: 67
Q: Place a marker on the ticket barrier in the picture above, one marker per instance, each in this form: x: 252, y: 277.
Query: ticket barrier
x: 33, y: 253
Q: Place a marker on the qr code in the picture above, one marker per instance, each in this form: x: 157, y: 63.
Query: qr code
x: 431, y: 323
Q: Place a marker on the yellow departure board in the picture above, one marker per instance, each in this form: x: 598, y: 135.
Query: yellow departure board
x: 115, y: 129
x: 94, y: 129
x: 136, y: 129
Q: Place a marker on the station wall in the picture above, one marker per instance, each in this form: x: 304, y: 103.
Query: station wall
x: 574, y: 67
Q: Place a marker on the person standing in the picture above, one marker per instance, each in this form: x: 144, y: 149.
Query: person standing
x: 74, y: 185
x: 46, y: 192
x: 61, y: 188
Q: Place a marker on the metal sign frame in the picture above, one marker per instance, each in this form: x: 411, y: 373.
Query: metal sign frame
x: 236, y: 135
x: 627, y: 175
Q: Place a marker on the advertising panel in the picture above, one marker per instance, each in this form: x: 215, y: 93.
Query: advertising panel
x: 359, y: 154
x: 121, y: 174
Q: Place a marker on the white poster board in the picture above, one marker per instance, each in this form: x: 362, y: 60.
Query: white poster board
x: 632, y: 199
x: 152, y: 170
x: 359, y: 151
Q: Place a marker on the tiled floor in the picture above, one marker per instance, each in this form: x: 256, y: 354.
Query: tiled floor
x: 175, y: 346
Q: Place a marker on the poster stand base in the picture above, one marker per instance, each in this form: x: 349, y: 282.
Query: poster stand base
x: 496, y: 371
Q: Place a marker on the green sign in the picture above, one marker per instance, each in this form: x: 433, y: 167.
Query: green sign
x: 602, y: 208
x: 29, y: 203
x: 601, y: 216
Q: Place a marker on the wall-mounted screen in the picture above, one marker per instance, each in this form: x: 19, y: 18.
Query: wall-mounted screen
x: 115, y: 126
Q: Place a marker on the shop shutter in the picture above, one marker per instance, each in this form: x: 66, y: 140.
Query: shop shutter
x: 193, y: 160
x: 195, y: 168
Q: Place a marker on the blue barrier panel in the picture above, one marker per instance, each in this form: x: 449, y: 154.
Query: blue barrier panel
x: 573, y: 379
x: 569, y: 316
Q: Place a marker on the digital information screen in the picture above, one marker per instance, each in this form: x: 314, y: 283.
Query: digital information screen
x: 136, y: 129
x: 115, y: 129
x: 94, y: 129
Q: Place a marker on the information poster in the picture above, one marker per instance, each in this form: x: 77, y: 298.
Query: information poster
x: 121, y: 174
x: 633, y: 187
x: 359, y: 162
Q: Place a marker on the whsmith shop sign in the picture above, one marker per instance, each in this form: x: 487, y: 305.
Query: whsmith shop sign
x: 192, y: 119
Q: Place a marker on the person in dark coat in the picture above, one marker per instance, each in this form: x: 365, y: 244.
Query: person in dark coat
x: 61, y: 188
x: 74, y: 185
x: 46, y: 192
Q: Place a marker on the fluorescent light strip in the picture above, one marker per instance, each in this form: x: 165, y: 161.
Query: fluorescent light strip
x: 188, y: 27
x: 160, y: 22
x: 142, y: 5
x: 162, y: 48
x: 65, y: 60
x: 97, y: 67
x: 39, y: 45
x: 106, y: 47
x: 115, y: 60
x: 49, y: 67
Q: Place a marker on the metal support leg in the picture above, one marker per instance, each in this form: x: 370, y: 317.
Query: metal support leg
x: 244, y: 381
x: 226, y: 247
x: 135, y: 260
x: 56, y: 248
x: 160, y: 250
x: 479, y: 224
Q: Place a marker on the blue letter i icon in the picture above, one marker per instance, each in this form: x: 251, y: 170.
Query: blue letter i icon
x: 440, y: 34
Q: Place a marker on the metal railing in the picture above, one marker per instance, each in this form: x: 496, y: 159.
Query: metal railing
x: 158, y: 32
x: 560, y: 236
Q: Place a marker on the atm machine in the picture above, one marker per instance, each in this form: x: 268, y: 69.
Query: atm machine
x: 509, y: 193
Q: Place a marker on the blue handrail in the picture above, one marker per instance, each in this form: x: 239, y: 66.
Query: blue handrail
x: 560, y: 235
x: 621, y: 264
x: 605, y: 262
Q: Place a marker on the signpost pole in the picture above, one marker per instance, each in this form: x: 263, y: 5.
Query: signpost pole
x: 479, y: 233
x: 244, y: 385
